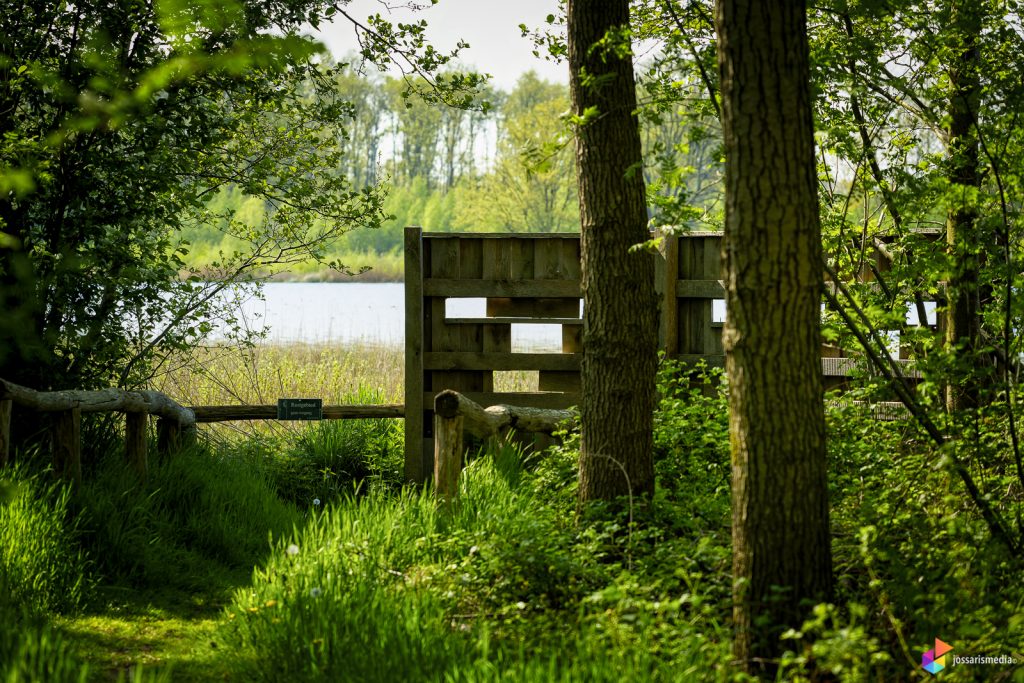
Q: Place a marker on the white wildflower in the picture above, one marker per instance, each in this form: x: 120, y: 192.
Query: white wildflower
x: 292, y: 549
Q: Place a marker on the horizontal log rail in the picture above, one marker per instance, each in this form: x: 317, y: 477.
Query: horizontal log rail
x: 455, y: 413
x: 269, y: 412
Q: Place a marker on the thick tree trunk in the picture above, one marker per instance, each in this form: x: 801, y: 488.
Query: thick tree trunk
x: 963, y: 311
x: 773, y: 275
x: 620, y: 305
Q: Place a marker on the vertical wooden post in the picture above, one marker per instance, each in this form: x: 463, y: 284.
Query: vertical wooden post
x: 135, y: 442
x: 67, y: 444
x: 669, y: 305
x: 6, y: 408
x: 168, y: 436
x: 414, y: 432
x: 447, y: 455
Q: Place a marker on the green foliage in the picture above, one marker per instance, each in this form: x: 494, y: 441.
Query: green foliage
x: 332, y: 457
x: 502, y: 585
x: 198, y: 515
x: 42, y: 566
x: 691, y: 436
x: 42, y: 570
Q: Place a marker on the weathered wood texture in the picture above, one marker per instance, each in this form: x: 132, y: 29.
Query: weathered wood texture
x: 269, y: 412
x: 66, y: 439
x: 136, y: 442
x: 456, y: 413
x: 497, y: 420
x: 530, y: 280
x: 525, y: 279
x: 448, y: 450
x: 101, y: 401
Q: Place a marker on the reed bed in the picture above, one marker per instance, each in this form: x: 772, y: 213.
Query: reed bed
x: 336, y: 373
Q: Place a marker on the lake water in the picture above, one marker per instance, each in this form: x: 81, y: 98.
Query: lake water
x: 363, y: 313
x: 374, y: 313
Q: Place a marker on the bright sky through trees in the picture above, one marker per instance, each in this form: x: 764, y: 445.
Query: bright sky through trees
x: 491, y: 27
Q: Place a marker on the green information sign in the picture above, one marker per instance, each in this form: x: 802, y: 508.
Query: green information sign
x: 300, y: 409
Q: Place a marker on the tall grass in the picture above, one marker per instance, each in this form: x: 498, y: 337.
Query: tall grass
x: 40, y: 559
x: 500, y: 586
x: 42, y: 570
x: 221, y: 375
x: 197, y: 515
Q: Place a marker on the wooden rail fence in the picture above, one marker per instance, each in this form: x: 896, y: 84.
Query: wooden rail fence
x: 176, y: 424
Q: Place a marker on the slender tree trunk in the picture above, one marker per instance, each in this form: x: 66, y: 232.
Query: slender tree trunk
x: 963, y: 311
x: 773, y: 273
x: 620, y: 305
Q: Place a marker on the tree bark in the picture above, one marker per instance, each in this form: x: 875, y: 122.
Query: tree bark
x: 963, y: 310
x: 620, y: 305
x: 772, y: 265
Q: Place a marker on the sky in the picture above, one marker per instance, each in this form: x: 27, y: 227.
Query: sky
x: 491, y: 27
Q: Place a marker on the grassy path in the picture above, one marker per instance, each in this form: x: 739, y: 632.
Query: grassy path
x: 169, y: 632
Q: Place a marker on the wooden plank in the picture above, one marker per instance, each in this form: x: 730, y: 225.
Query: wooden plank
x: 547, y: 261
x: 571, y: 258
x: 475, y: 360
x: 471, y: 258
x: 507, y: 235
x: 497, y: 338
x: 447, y: 455
x: 572, y: 338
x: 6, y: 410
x: 269, y: 412
x: 522, y: 260
x: 711, y: 338
x: 414, y: 381
x: 496, y: 255
x: 135, y: 442
x: 700, y: 289
x: 444, y: 258
x: 514, y: 321
x: 525, y: 399
x: 544, y: 309
x: 669, y: 305
x: 67, y: 444
x: 498, y: 288
x: 553, y: 380
x: 712, y: 269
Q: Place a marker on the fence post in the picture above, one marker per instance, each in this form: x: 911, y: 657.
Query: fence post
x: 447, y: 449
x: 135, y: 441
x: 67, y: 444
x: 168, y: 436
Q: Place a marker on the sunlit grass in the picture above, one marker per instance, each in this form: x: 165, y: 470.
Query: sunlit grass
x: 338, y: 374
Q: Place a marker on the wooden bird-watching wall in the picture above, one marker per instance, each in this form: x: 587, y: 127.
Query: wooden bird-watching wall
x: 528, y: 279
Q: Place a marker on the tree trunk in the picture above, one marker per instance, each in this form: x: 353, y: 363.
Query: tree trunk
x: 772, y: 264
x: 620, y: 305
x: 963, y: 311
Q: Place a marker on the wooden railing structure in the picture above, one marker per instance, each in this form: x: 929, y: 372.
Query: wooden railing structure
x: 175, y: 424
x: 530, y: 279
x: 525, y: 279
